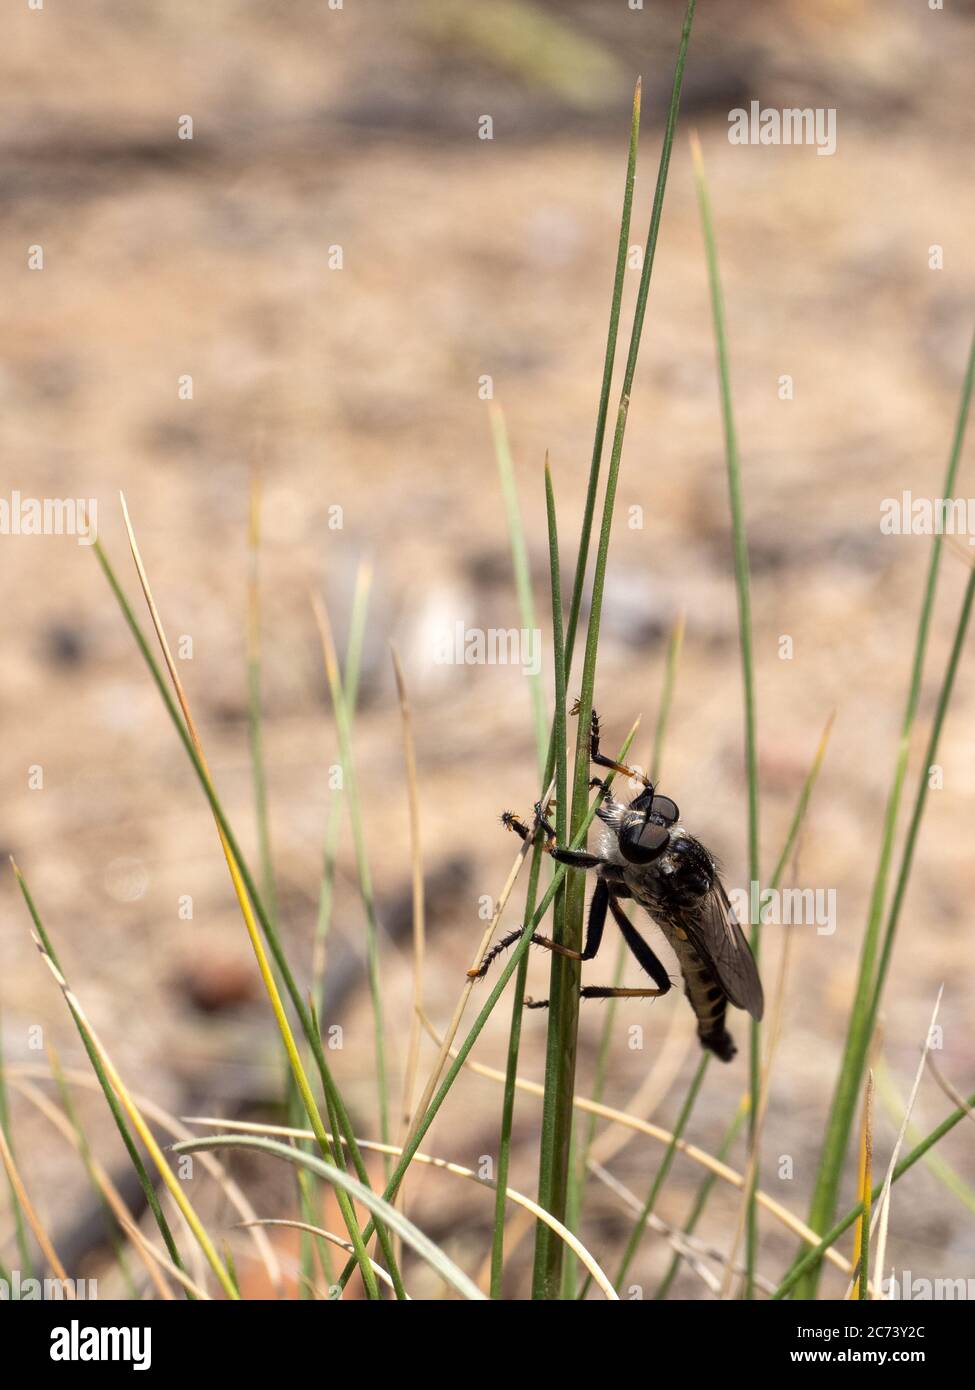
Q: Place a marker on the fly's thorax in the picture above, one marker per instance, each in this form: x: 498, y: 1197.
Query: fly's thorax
x: 680, y: 878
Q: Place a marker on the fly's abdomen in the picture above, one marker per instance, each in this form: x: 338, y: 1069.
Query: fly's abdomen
x: 707, y: 999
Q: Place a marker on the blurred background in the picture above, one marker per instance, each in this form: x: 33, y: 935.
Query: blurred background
x: 359, y: 388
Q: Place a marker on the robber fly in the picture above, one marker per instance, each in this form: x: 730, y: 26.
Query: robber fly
x: 646, y: 854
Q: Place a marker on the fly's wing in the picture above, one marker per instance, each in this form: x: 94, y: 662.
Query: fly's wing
x: 719, y: 940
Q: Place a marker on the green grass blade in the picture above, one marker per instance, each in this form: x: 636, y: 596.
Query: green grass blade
x: 340, y: 1179
x: 522, y: 569
x: 518, y: 993
x: 840, y: 1120
x: 511, y: 965
x: 703, y: 1193
x: 254, y: 709
x: 636, y: 1234
x: 145, y: 1182
x: 813, y: 1256
x: 338, y: 1117
x: 557, y: 1109
x: 743, y: 591
x: 607, y: 1032
x: 20, y: 1226
x: 350, y: 786
x: 612, y: 335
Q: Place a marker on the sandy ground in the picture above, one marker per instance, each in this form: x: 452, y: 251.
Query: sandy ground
x: 358, y: 389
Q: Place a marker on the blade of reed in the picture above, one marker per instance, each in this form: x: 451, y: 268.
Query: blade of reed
x: 333, y: 828
x: 522, y: 569
x: 341, y: 1180
x: 639, y: 1227
x: 118, y: 1220
x: 20, y: 1225
x: 866, y: 998
x: 743, y: 591
x: 33, y: 1220
x: 112, y: 1224
x: 518, y: 993
x: 520, y: 948
x: 703, y: 1193
x: 338, y: 1116
x: 556, y: 747
x: 135, y: 1158
x: 308, y: 1228
x: 788, y: 846
x: 249, y: 901
x: 259, y: 778
x: 419, y: 931
x: 814, y: 1255
x: 114, y: 1080
x: 350, y: 686
x: 882, y: 1215
x: 907, y: 857
x: 861, y: 1248
x: 557, y: 1110
x: 254, y: 710
x: 416, y: 861
x: 350, y: 787
x: 674, y: 647
x: 663, y: 1136
x: 445, y: 1166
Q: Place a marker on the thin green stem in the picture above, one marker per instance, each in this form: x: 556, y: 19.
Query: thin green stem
x: 557, y: 1109
x: 633, y: 1244
x: 268, y: 928
x: 743, y: 591
x: 813, y: 1256
x: 703, y: 1193
x: 145, y: 1182
x: 519, y: 950
x: 859, y: 1032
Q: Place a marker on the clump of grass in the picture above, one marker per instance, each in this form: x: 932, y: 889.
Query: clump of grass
x: 567, y: 1121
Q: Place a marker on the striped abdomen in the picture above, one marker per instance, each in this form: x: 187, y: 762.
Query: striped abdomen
x: 705, y: 996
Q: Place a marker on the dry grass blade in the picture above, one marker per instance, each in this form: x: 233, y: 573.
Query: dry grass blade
x: 665, y: 1136
x: 861, y: 1248
x: 536, y: 1212
x: 694, y: 1252
x: 247, y: 913
x: 419, y: 934
x: 231, y: 1190
x: 883, y: 1209
x: 953, y: 1095
x: 140, y: 1126
x: 311, y: 1230
x: 33, y: 1220
x: 773, y: 1037
x: 113, y: 1199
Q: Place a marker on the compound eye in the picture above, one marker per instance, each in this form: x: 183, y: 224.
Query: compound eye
x: 653, y: 838
x: 665, y: 809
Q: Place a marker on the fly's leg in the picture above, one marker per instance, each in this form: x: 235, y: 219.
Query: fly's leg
x: 644, y: 955
x: 640, y: 949
x: 594, y: 935
x: 601, y: 758
x: 574, y: 858
x: 478, y: 972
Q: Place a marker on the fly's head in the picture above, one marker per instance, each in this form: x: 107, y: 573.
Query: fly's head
x: 644, y: 828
